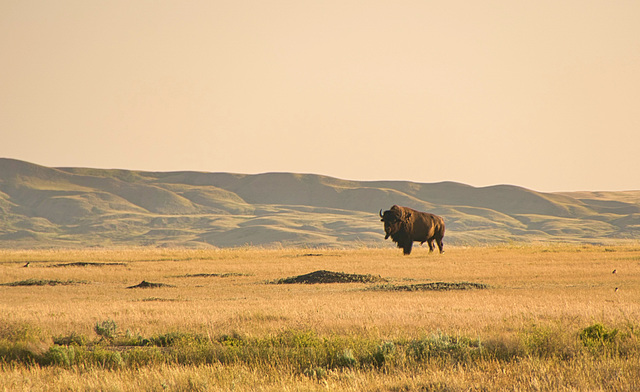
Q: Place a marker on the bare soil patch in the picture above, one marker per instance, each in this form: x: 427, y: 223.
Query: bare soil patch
x: 43, y: 282
x: 323, y: 276
x: 86, y: 264
x: 433, y: 286
x: 157, y: 299
x: 203, y: 275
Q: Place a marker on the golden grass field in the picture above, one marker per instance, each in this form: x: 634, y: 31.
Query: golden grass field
x: 521, y: 333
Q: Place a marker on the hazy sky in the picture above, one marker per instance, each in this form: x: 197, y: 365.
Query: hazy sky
x: 543, y: 94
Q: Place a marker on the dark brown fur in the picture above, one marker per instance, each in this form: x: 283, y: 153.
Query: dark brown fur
x: 405, y: 226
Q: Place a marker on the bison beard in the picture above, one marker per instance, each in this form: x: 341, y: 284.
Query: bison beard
x: 405, y: 225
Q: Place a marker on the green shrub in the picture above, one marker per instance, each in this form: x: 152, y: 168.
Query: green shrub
x: 346, y: 359
x: 60, y: 356
x: 439, y: 345
x: 598, y: 338
x: 175, y: 338
x: 597, y: 334
x: 384, y: 354
x: 106, y: 358
x: 106, y: 329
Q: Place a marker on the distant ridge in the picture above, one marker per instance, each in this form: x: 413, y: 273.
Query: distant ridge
x: 80, y: 207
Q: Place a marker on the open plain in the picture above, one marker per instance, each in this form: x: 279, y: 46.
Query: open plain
x: 510, y: 317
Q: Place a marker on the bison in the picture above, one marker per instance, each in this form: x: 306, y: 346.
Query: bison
x: 405, y: 225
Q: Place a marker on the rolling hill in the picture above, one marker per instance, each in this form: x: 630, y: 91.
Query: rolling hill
x: 81, y: 207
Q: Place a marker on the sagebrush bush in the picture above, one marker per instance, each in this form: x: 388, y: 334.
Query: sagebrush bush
x: 60, y: 356
x: 441, y: 346
x: 106, y: 329
x: 383, y: 354
x: 597, y: 335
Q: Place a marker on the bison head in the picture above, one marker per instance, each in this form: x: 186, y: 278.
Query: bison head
x: 394, y: 220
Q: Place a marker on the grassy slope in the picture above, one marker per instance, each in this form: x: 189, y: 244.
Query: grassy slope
x: 73, y: 207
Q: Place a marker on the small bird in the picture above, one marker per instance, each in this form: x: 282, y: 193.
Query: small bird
x: 616, y: 290
x: 26, y: 265
x: 614, y: 271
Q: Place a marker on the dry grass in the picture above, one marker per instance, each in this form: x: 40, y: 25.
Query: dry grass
x: 535, y: 292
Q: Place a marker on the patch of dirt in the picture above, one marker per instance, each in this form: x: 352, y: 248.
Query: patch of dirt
x: 85, y: 264
x: 434, y: 286
x: 148, y: 285
x: 225, y: 275
x: 323, y: 276
x: 156, y: 299
x: 44, y: 282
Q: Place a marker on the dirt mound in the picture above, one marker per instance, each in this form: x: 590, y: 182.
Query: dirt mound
x: 323, y: 276
x: 434, y: 286
x: 148, y: 285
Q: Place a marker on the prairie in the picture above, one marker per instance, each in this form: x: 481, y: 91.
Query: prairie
x: 551, y: 317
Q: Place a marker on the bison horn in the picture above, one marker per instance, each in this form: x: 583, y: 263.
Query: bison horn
x: 381, y: 213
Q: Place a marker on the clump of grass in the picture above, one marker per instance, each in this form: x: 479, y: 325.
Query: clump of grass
x: 44, y: 282
x: 20, y: 332
x: 21, y: 343
x: 74, y: 339
x: 548, y: 341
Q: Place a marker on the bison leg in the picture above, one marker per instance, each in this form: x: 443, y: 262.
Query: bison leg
x: 430, y: 243
x: 407, y: 247
x: 440, y: 245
